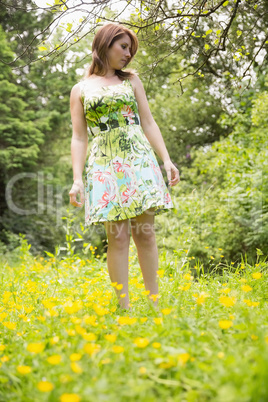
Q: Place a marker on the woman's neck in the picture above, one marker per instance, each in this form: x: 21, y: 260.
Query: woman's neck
x: 110, y: 73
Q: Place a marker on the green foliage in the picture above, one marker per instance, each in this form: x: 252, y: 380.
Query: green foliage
x: 186, y: 119
x: 223, y: 196
x: 35, y: 155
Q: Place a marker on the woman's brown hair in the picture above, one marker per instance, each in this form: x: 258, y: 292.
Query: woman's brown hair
x: 103, y: 40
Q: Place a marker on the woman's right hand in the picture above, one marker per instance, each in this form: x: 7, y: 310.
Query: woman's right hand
x: 77, y: 188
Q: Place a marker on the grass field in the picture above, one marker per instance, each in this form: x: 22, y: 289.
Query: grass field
x: 64, y: 339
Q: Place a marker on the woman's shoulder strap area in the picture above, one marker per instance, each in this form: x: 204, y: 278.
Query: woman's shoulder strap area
x: 81, y: 85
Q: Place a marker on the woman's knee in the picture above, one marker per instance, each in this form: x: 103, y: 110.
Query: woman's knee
x: 118, y: 235
x: 143, y: 233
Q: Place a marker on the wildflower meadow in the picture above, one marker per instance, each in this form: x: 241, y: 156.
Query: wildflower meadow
x: 64, y: 337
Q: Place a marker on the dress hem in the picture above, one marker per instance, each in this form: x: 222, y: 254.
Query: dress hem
x: 159, y: 209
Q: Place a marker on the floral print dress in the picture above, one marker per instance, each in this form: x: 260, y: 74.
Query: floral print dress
x: 122, y: 176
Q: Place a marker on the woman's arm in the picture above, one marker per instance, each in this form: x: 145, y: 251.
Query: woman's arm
x: 152, y: 131
x: 79, y: 145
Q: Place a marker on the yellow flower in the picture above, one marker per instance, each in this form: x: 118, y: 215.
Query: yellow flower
x: 225, y: 290
x: 76, y: 368
x: 54, y: 340
x: 160, y: 273
x: 41, y: 318
x: 225, y: 324
x: 75, y: 357
x: 100, y: 310
x: 117, y: 349
x: 72, y: 307
x: 54, y: 359
x: 143, y: 319
x: 220, y: 355
x: 123, y: 295
x: 90, y: 320
x: 24, y: 369
x: 70, y: 398
x: 142, y: 370
x: 145, y: 292
x: 201, y: 298
x: 126, y: 320
x: 251, y: 303
x: 256, y: 275
x: 36, y: 347
x: 2, y: 347
x: 156, y: 345
x: 183, y: 358
x: 158, y: 320
x: 45, y: 386
x: 166, y: 365
x: 89, y: 336
x: 76, y: 320
x: 2, y: 316
x: 29, y: 309
x: 185, y: 287
x: 154, y: 297
x: 187, y: 277
x: 110, y: 337
x: 166, y: 311
x: 119, y: 287
x: 244, y: 280
x: 92, y: 348
x: 227, y: 301
x: 9, y: 325
x: 254, y: 337
x: 141, y: 342
x: 255, y: 304
x: 5, y: 359
x: 246, y: 288
x: 70, y: 332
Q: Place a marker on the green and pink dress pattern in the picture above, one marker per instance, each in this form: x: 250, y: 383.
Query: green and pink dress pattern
x: 122, y: 176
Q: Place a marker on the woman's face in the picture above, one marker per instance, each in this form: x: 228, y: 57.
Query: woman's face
x: 119, y: 53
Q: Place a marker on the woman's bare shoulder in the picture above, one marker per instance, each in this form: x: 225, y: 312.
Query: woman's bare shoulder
x: 136, y: 82
x: 77, y: 86
x: 76, y: 90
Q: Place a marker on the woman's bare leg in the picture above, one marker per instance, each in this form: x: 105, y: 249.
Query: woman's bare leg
x: 117, y: 257
x: 142, y: 228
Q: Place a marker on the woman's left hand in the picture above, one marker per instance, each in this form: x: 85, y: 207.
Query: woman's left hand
x: 173, y: 174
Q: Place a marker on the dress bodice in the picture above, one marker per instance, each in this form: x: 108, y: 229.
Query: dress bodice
x: 109, y: 107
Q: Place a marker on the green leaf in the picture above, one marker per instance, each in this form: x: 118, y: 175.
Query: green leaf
x: 69, y: 27
x: 259, y: 252
x: 225, y: 3
x: 208, y: 31
x: 49, y: 254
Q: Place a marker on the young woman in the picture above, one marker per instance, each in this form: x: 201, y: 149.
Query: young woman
x: 123, y: 181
